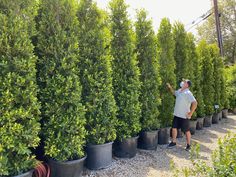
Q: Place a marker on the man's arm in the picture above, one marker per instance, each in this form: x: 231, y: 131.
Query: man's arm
x: 192, y: 109
x: 170, y: 88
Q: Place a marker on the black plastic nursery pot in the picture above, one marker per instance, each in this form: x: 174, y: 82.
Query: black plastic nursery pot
x: 179, y: 133
x: 27, y: 174
x: 215, y: 118
x: 72, y: 168
x: 207, y: 121
x: 200, y: 122
x: 220, y: 115
x: 99, y: 156
x: 225, y: 113
x: 193, y: 125
x: 164, y: 136
x: 148, y: 140
x: 127, y: 148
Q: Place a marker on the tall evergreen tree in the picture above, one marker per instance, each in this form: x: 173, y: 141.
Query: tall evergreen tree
x: 60, y: 89
x: 180, y: 52
x: 125, y: 71
x: 207, y: 81
x: 195, y: 73
x: 96, y: 73
x: 19, y: 107
x: 217, y: 71
x: 148, y: 64
x: 166, y: 59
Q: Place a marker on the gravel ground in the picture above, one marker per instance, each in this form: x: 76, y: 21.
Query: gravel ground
x: 157, y: 163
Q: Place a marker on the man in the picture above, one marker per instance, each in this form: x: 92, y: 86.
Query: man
x: 185, y: 105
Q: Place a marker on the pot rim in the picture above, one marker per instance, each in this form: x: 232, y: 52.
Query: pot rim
x: 70, y: 162
x: 99, y: 145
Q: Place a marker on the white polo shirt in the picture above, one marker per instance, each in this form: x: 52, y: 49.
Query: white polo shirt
x: 183, y: 102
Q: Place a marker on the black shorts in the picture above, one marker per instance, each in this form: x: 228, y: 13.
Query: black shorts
x: 180, y: 123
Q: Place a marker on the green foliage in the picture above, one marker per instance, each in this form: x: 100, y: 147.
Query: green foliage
x: 58, y: 79
x: 230, y: 74
x: 19, y: 107
x: 195, y: 75
x: 148, y: 64
x: 125, y: 71
x: 217, y: 73
x: 207, y: 81
x: 207, y: 30
x: 183, y: 67
x: 167, y: 67
x: 95, y: 74
x: 223, y: 161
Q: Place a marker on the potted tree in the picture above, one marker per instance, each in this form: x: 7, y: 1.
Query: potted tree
x: 149, y: 68
x: 95, y: 68
x: 195, y: 75
x: 125, y: 81
x: 19, y: 106
x: 207, y: 81
x: 63, y: 121
x: 165, y: 46
x: 217, y: 71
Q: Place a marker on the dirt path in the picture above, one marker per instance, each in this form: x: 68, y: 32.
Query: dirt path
x: 156, y: 163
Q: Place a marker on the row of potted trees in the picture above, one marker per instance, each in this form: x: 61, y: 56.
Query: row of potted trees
x: 97, y: 82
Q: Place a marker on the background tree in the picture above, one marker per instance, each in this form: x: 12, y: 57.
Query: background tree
x: 148, y: 64
x: 228, y: 26
x: 95, y: 74
x: 195, y: 73
x: 207, y: 81
x: 60, y: 89
x: 166, y: 59
x: 19, y: 107
x: 125, y: 71
x: 180, y: 52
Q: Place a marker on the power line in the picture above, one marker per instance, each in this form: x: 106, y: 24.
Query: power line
x: 202, y: 18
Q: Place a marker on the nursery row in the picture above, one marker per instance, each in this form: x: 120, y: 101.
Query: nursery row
x: 75, y: 78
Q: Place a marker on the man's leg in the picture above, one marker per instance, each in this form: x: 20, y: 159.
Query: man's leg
x: 188, y: 137
x: 174, y: 134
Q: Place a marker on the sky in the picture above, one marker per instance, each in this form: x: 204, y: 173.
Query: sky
x: 185, y: 11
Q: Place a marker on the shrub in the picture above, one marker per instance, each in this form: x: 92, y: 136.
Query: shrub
x: 231, y: 86
x: 223, y: 161
x: 125, y: 71
x: 148, y: 64
x: 19, y: 107
x: 167, y: 67
x: 207, y: 81
x: 217, y: 72
x: 58, y: 79
x: 183, y: 67
x: 95, y: 74
x: 195, y: 76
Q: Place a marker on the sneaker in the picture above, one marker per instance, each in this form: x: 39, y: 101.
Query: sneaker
x: 188, y: 147
x: 171, y: 145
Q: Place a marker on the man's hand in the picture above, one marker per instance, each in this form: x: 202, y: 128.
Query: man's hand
x: 189, y: 115
x: 170, y: 88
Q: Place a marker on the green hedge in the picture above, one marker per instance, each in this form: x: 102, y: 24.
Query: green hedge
x: 95, y: 67
x: 148, y: 64
x: 207, y: 82
x: 19, y: 107
x: 125, y: 71
x: 58, y: 79
x: 166, y: 59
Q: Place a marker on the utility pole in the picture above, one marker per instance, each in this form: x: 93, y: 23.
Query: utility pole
x: 218, y: 29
